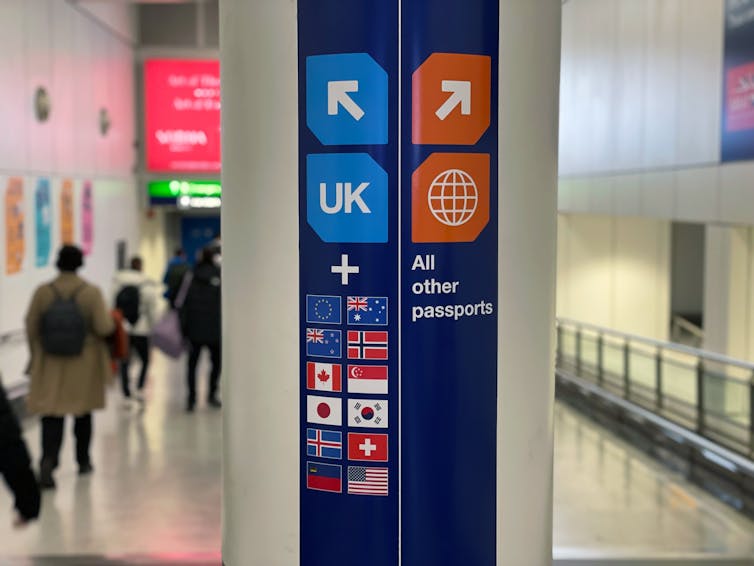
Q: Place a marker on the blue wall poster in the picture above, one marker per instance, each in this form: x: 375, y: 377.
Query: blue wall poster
x: 43, y: 222
x: 398, y: 302
x: 737, y: 136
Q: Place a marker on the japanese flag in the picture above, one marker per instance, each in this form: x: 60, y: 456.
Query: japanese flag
x: 324, y: 410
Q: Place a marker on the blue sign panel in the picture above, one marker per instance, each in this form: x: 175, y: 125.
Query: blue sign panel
x: 398, y: 457
x: 737, y: 134
x: 347, y: 198
x: 449, y: 282
x: 347, y: 99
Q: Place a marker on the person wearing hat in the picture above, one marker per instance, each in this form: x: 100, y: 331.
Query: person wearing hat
x: 66, y: 326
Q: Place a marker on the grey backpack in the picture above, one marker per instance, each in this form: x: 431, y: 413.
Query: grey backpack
x: 62, y: 327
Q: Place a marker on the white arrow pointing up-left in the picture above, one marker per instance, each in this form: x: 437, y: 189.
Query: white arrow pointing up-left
x: 460, y: 95
x: 337, y: 95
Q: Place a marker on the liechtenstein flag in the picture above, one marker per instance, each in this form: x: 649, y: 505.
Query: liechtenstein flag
x: 324, y: 477
x: 323, y: 343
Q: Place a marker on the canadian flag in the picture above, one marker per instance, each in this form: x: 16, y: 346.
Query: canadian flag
x: 323, y: 377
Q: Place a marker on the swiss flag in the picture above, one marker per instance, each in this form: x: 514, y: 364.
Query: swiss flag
x: 367, y: 447
x: 323, y: 377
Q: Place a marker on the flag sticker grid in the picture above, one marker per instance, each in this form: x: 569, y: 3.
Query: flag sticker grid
x: 368, y: 345
x: 367, y: 481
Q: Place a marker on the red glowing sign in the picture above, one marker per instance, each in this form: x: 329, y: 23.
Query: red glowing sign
x: 182, y: 107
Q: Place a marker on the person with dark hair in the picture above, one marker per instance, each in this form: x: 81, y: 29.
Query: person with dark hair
x: 174, y: 273
x: 200, y: 318
x: 66, y: 326
x: 136, y: 296
x: 15, y: 465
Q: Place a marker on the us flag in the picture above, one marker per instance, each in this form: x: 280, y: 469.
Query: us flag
x: 367, y: 481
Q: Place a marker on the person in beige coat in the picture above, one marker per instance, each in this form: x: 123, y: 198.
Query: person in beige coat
x: 68, y: 385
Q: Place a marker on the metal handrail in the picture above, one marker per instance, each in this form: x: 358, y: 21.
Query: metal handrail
x: 701, y: 404
x: 692, y: 329
x: 669, y: 346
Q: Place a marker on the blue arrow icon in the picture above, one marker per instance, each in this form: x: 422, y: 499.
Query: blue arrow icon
x: 347, y: 99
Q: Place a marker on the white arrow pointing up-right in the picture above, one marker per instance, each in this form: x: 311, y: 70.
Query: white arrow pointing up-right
x: 461, y: 95
x: 337, y: 95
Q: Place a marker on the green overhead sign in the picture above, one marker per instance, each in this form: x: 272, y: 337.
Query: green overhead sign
x: 176, y: 189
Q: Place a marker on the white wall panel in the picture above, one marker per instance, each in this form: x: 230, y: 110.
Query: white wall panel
x: 629, y: 103
x: 662, y: 62
x: 697, y: 195
x: 737, y: 192
x: 658, y: 194
x: 13, y: 93
x: 700, y: 82
x: 627, y: 195
x: 615, y: 272
x: 661, y: 86
x: 38, y: 49
x: 64, y: 88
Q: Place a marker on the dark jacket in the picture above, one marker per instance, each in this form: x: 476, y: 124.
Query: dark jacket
x: 15, y: 464
x: 200, y: 314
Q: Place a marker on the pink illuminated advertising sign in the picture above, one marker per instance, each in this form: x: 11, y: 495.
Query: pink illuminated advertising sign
x: 182, y: 107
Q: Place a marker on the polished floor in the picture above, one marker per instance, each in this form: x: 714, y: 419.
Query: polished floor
x: 155, y: 497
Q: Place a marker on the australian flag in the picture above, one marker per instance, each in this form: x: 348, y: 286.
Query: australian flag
x: 323, y: 309
x: 367, y: 311
x: 323, y: 343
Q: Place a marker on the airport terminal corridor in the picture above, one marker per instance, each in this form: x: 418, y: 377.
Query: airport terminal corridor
x: 155, y: 495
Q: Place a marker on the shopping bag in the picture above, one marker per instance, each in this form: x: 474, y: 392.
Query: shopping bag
x: 167, y: 334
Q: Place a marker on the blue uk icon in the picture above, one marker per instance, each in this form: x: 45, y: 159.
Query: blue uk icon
x: 347, y: 198
x: 347, y: 99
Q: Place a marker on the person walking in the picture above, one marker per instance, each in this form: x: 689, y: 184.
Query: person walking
x: 15, y: 465
x: 201, y: 322
x: 174, y: 273
x: 136, y: 296
x: 66, y: 326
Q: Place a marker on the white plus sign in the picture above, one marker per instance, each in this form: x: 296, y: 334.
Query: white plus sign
x: 367, y: 448
x: 344, y: 269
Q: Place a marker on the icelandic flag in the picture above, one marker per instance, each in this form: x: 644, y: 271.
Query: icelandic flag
x: 366, y: 311
x: 324, y: 377
x: 371, y: 380
x: 323, y: 309
x: 366, y: 345
x: 323, y: 343
x: 324, y: 477
x: 325, y: 444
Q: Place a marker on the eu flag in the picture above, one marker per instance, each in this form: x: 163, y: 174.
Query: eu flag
x: 323, y: 343
x: 323, y: 309
x: 366, y: 311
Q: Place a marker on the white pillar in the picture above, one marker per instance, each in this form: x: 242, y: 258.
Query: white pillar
x: 260, y: 263
x: 727, y: 290
x: 529, y: 80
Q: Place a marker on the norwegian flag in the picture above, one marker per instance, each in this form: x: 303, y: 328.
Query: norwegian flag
x: 367, y: 345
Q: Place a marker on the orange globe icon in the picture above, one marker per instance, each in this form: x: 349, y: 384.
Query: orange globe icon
x: 453, y: 197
